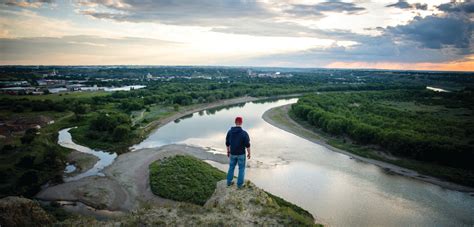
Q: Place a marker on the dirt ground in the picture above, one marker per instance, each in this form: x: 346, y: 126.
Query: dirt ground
x: 125, y: 186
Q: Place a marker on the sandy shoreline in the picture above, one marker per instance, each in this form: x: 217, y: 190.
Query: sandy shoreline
x: 298, y: 130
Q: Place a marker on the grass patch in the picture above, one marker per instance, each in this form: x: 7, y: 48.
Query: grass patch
x: 184, y: 178
x: 58, y: 96
x: 297, y: 213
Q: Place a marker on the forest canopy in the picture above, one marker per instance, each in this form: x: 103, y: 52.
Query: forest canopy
x: 419, y: 124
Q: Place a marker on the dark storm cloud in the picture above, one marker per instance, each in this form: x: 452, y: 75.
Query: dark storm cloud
x: 402, y: 4
x: 320, y: 8
x: 462, y: 7
x: 437, y: 32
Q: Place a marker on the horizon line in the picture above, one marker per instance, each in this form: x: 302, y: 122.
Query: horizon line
x: 238, y: 66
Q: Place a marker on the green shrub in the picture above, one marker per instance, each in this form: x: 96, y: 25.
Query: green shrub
x: 184, y: 178
x: 283, y: 203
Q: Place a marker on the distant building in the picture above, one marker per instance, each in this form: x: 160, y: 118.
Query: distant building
x: 268, y: 75
x: 51, y: 83
x: 20, y: 90
x: 74, y: 87
x: 249, y: 72
x: 53, y: 73
x: 41, y: 83
x: 21, y: 83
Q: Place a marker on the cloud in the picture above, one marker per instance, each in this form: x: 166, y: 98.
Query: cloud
x: 116, y: 4
x: 280, y: 26
x: 320, y: 8
x: 374, y: 50
x: 441, y: 38
x: 255, y: 18
x: 189, y: 12
x: 403, y: 4
x: 26, y: 3
x: 463, y: 7
x: 437, y: 32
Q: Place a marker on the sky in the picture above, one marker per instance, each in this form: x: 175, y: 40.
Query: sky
x: 378, y: 34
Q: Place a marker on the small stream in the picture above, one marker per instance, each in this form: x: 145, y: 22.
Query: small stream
x: 105, y: 158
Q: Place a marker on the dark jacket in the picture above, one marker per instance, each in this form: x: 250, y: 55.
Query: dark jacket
x: 238, y: 140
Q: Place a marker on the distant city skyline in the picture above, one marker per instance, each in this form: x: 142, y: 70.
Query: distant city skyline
x: 384, y: 34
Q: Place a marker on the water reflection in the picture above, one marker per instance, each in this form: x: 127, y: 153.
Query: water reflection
x: 437, y: 89
x: 337, y: 189
x: 105, y: 159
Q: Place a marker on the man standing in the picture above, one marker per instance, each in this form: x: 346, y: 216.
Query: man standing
x: 236, y: 141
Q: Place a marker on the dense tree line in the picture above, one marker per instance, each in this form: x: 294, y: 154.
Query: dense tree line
x: 369, y: 118
x: 39, y: 160
x: 116, y: 127
x: 25, y: 105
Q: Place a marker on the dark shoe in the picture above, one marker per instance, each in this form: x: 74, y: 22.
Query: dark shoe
x: 240, y: 186
x: 231, y: 183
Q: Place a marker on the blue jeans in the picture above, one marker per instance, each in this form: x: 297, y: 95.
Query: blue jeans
x: 234, y: 160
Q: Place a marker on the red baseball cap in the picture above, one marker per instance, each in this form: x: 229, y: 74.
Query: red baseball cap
x: 238, y: 120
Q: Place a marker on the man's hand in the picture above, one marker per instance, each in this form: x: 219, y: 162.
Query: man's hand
x: 228, y: 152
x: 248, y: 153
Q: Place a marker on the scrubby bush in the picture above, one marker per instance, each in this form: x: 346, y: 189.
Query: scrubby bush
x: 184, y: 178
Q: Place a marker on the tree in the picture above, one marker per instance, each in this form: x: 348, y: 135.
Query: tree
x: 18, y: 109
x: 29, y: 136
x: 29, y: 178
x: 26, y: 162
x: 121, y: 132
x: 79, y: 110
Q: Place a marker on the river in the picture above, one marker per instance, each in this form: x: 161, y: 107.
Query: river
x: 436, y: 89
x: 335, y: 188
x: 105, y: 158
